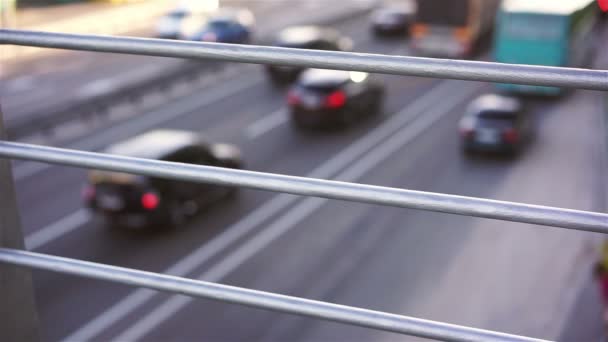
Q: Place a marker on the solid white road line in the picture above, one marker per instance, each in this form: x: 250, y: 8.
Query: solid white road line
x: 58, y: 229
x: 267, y: 123
x: 293, y: 217
x: 271, y: 208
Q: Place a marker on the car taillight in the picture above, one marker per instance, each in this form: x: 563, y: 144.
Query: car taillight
x: 88, y: 192
x: 293, y: 98
x: 467, y: 132
x: 150, y: 201
x: 462, y: 35
x: 209, y: 37
x: 336, y: 99
x: 511, y: 136
x: 419, y: 30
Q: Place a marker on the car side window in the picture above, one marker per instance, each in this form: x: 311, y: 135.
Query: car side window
x: 191, y: 155
x: 327, y: 45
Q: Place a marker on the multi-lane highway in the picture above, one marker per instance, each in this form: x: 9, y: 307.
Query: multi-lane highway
x: 510, y: 277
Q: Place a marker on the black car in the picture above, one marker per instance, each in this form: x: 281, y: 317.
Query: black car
x: 138, y: 201
x: 393, y: 19
x: 227, y: 26
x: 496, y: 124
x: 306, y: 37
x: 323, y: 98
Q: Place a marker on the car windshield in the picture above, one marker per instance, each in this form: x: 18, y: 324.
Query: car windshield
x: 496, y: 119
x: 219, y: 25
x: 177, y: 14
x: 391, y: 15
x: 298, y: 45
x: 322, y: 87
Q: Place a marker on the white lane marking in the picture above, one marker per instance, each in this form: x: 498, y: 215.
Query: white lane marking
x: 294, y: 216
x: 267, y: 123
x: 271, y: 208
x: 104, y: 85
x: 21, y: 83
x: 56, y: 230
x: 142, y: 123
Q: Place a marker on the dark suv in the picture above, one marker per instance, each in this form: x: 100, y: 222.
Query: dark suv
x: 326, y: 98
x: 496, y: 123
x: 306, y: 37
x: 138, y: 201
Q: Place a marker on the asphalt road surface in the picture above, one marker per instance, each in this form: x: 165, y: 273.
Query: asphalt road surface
x: 510, y: 277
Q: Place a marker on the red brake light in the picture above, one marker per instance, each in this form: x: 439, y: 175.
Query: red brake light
x: 150, y: 201
x: 511, y: 136
x: 209, y: 37
x: 293, y: 98
x: 467, y: 133
x: 336, y: 99
x: 88, y: 192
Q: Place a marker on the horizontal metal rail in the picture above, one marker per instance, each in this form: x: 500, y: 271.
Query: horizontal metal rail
x: 396, y: 65
x: 469, y: 206
x: 258, y: 299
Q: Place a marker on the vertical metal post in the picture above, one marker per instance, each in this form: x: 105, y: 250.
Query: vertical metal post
x: 18, y: 316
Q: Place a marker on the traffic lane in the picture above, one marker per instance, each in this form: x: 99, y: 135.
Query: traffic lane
x: 429, y: 265
x: 293, y: 154
x: 253, y: 270
x: 237, y: 110
x: 414, y: 114
x: 504, y: 276
x: 95, y: 73
x: 34, y: 193
x: 350, y: 25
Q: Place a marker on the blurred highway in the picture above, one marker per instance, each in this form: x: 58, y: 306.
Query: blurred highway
x: 495, y: 275
x: 30, y: 89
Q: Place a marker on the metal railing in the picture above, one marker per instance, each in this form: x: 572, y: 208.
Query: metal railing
x: 437, y: 68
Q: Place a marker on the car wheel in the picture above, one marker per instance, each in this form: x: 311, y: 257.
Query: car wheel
x: 232, y: 192
x: 349, y: 118
x: 377, y: 103
x: 468, y: 152
x: 297, y: 124
x: 111, y: 221
x: 176, y: 215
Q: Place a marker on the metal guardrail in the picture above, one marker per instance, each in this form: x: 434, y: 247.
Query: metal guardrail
x: 464, y: 70
x: 299, y: 306
x: 395, y: 65
x: 508, y: 211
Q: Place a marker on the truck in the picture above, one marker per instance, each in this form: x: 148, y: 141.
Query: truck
x: 452, y: 28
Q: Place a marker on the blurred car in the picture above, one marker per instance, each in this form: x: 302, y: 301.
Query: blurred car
x: 393, y: 19
x: 140, y: 201
x: 495, y: 123
x: 229, y: 25
x: 306, y: 37
x: 324, y: 98
x: 170, y: 25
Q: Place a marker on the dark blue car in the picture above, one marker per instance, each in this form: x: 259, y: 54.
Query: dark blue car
x: 228, y: 26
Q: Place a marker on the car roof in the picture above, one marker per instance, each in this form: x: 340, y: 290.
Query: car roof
x: 300, y: 35
x: 560, y: 7
x: 324, y: 77
x: 156, y: 144
x: 492, y: 102
x: 407, y: 7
